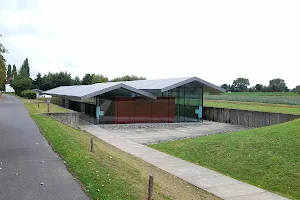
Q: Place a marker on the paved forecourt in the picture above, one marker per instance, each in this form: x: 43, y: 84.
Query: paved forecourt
x: 211, y: 181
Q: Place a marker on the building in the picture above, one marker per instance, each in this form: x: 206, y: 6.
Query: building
x: 142, y: 101
x: 9, y: 89
x: 38, y: 92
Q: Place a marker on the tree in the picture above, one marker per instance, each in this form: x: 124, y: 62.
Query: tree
x: 98, y: 78
x: 87, y: 79
x: 277, y: 85
x: 25, y: 70
x: 297, y: 89
x: 53, y: 80
x: 226, y: 87
x: 76, y: 81
x: 241, y: 84
x: 20, y: 84
x: 14, y: 71
x: 128, y: 78
x: 37, y: 83
x: 8, y: 73
x: 252, y: 89
x: 2, y: 66
x: 259, y: 87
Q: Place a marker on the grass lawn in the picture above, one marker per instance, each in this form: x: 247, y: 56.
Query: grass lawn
x: 110, y: 173
x: 263, y: 107
x: 267, y: 157
x: 32, y: 105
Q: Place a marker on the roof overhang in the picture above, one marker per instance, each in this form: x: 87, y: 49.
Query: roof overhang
x: 119, y: 86
x: 207, y: 87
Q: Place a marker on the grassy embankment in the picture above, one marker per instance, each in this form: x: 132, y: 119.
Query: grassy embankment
x: 109, y: 173
x: 267, y: 157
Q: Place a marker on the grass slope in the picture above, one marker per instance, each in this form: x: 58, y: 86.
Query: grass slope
x: 263, y: 107
x: 32, y: 105
x: 266, y: 157
x: 110, y: 173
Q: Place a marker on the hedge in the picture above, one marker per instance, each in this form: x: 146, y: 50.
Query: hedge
x: 28, y: 94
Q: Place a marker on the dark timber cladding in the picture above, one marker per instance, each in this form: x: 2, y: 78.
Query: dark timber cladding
x: 142, y: 101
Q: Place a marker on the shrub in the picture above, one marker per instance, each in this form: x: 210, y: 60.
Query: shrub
x: 28, y: 94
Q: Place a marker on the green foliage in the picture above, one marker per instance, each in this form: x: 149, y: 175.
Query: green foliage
x: 8, y: 73
x: 259, y: 87
x: 241, y: 84
x: 2, y: 66
x: 226, y: 87
x: 37, y: 83
x: 77, y: 81
x: 87, y: 79
x: 267, y: 157
x: 53, y: 80
x: 128, y: 78
x: 28, y: 94
x: 98, y: 78
x: 297, y: 89
x: 14, y: 71
x: 20, y: 84
x: 25, y: 69
x: 277, y: 85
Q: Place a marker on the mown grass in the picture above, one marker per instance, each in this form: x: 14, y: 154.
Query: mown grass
x: 263, y: 107
x: 109, y: 173
x: 39, y: 106
x: 267, y: 157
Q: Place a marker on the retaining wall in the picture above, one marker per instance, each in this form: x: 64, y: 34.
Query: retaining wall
x: 245, y: 117
x: 70, y: 118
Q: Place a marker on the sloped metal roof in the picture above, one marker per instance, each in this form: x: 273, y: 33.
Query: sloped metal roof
x: 142, y: 87
x: 164, y: 85
x: 87, y: 91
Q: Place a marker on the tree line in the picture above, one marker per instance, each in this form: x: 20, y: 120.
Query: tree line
x: 20, y: 79
x: 275, y: 85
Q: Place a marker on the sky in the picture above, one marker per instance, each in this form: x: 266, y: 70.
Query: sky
x: 215, y: 40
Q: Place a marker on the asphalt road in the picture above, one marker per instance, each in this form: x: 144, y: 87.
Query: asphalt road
x: 29, y: 169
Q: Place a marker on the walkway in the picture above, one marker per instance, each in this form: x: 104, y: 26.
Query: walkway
x: 213, y: 182
x: 29, y: 169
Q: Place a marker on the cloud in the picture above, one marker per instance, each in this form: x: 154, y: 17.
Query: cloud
x: 214, y: 40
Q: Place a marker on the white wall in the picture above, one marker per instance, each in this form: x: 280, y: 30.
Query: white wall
x: 8, y: 88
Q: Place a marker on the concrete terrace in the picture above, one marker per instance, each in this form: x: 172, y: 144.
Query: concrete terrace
x: 211, y: 181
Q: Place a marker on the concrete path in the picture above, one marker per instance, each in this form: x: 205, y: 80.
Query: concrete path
x: 29, y: 169
x: 162, y: 134
x: 213, y: 182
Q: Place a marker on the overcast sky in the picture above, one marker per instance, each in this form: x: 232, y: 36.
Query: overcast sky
x: 217, y: 41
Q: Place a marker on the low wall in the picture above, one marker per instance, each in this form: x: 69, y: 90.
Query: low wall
x: 245, y: 117
x: 70, y: 118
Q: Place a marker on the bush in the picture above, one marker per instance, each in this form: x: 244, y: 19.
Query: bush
x: 28, y: 94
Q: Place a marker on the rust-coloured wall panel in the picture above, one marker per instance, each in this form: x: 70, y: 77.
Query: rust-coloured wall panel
x: 124, y: 111
x: 131, y: 110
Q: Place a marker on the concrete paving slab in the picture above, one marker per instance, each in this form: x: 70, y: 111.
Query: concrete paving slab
x: 234, y: 190
x: 157, y: 135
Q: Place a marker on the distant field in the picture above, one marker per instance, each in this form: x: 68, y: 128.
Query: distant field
x: 246, y: 97
x: 261, y: 94
x: 262, y: 107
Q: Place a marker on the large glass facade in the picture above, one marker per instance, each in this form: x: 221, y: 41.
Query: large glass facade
x: 181, y: 104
